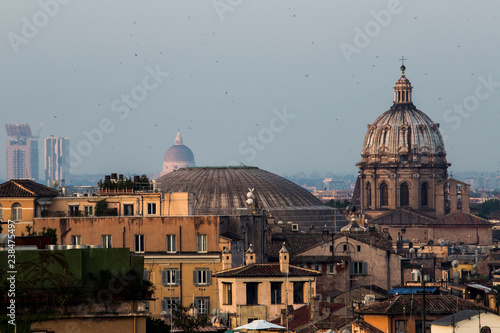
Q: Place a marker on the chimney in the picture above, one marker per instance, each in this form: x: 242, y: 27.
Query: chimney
x: 250, y: 255
x: 226, y: 259
x: 284, y: 260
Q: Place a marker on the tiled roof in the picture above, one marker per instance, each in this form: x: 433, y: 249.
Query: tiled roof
x: 368, y: 328
x: 401, y: 217
x: 413, y: 305
x: 26, y: 188
x: 266, y: 270
x: 317, y: 259
x: 294, y: 244
x: 301, y: 317
x: 456, y: 318
x: 461, y: 218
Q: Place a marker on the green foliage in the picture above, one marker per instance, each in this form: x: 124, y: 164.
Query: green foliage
x: 185, y: 322
x: 488, y: 207
x: 156, y: 326
x: 52, y: 232
x: 101, y: 208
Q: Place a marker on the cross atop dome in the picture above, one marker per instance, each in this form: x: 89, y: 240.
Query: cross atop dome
x: 403, y: 88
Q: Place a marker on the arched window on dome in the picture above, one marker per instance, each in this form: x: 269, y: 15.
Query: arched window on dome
x: 404, y: 195
x: 368, y: 195
x: 424, y: 195
x: 384, y: 195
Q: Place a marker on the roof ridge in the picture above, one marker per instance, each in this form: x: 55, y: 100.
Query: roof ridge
x: 24, y: 188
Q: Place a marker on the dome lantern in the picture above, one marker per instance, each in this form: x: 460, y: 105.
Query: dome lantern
x: 403, y: 88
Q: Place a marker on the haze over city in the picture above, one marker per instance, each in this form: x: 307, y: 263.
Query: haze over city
x: 286, y: 86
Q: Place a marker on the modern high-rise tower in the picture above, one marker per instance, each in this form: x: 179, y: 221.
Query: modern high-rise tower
x: 56, y: 159
x: 22, y: 152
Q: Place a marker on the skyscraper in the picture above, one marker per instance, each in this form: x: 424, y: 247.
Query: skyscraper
x: 56, y: 159
x: 22, y: 152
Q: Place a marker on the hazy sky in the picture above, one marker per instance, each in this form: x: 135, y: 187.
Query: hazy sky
x: 283, y: 85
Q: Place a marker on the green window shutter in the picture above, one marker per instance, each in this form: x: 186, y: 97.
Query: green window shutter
x: 195, y: 277
x: 177, y: 276
x: 365, y: 268
x: 164, y: 276
x: 209, y: 277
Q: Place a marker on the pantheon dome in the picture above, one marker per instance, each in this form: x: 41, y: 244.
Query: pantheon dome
x: 223, y: 191
x: 177, y: 156
x: 403, y: 157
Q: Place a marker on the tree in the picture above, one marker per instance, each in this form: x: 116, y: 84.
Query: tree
x: 101, y: 208
x: 488, y: 207
x: 156, y: 326
x: 186, y: 322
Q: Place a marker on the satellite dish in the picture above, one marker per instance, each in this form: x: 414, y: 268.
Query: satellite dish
x: 55, y: 183
x: 250, y: 195
x: 455, y: 263
x: 456, y: 275
x: 216, y: 312
x: 249, y: 201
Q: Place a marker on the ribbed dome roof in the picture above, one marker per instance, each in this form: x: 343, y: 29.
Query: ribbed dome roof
x: 403, y: 133
x: 222, y: 190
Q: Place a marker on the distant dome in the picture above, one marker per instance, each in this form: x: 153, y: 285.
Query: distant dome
x: 177, y: 156
x: 403, y: 133
x: 179, y: 153
x: 223, y: 191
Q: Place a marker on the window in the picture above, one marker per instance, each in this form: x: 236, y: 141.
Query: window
x: 16, y: 212
x: 331, y: 269
x: 74, y: 210
x: 252, y: 293
x: 139, y: 243
x: 359, y: 268
x: 298, y: 292
x: 170, y: 277
x: 169, y: 302
x: 202, y: 243
x: 171, y: 244
x: 202, y: 304
x: 1, y: 212
x: 276, y: 292
x: 146, y: 275
x: 202, y: 276
x: 76, y: 240
x: 88, y: 210
x: 358, y: 248
x: 345, y: 248
x: 106, y: 241
x: 384, y: 195
x: 151, y: 208
x: 424, y: 189
x: 404, y: 195
x: 227, y: 289
x: 128, y: 210
x: 316, y: 267
x: 400, y: 326
x: 368, y: 195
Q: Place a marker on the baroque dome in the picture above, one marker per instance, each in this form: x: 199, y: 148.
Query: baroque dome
x: 178, y: 152
x: 403, y: 134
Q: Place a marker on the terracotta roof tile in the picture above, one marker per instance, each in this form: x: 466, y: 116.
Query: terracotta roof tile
x: 26, y: 188
x: 413, y: 305
x: 461, y: 218
x: 368, y: 328
x: 266, y: 270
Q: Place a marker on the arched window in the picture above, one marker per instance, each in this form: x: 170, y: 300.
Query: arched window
x: 424, y: 190
x: 404, y: 195
x: 368, y: 195
x: 384, y: 195
x: 16, y: 212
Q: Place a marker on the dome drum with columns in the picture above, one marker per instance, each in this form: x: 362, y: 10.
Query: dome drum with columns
x: 403, y: 158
